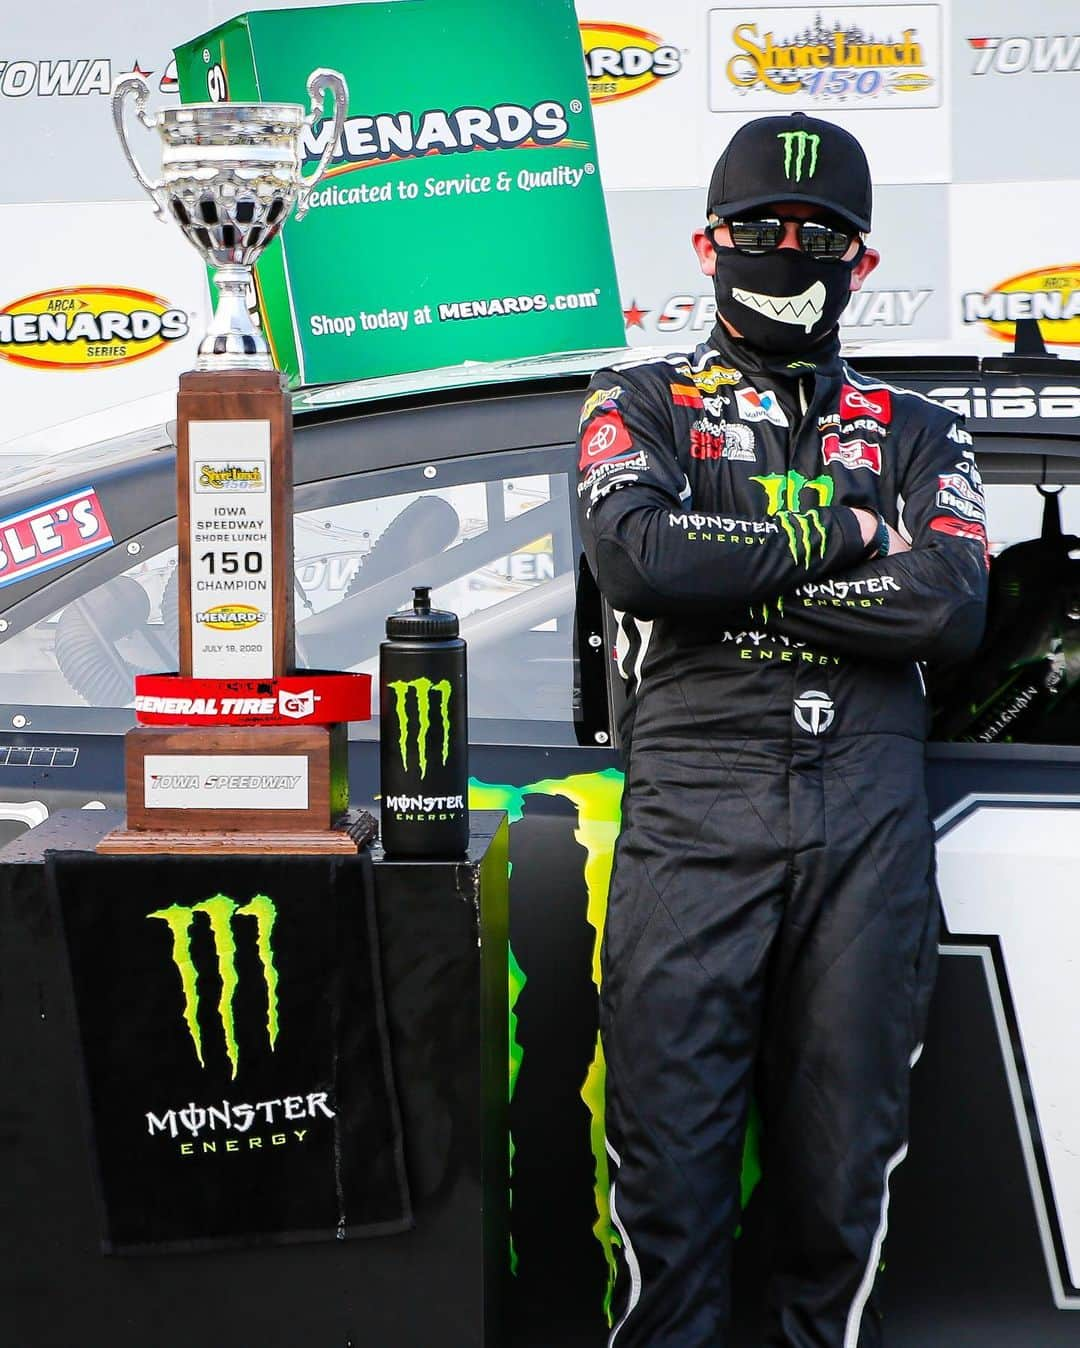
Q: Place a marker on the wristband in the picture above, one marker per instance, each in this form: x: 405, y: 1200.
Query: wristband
x: 879, y: 539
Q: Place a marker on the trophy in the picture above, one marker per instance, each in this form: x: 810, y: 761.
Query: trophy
x: 230, y: 175
x: 238, y: 751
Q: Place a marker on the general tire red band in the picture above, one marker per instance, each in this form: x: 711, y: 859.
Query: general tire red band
x: 310, y: 698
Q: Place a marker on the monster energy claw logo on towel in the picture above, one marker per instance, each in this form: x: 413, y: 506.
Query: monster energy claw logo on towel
x: 796, y: 145
x: 220, y: 911
x: 230, y: 1019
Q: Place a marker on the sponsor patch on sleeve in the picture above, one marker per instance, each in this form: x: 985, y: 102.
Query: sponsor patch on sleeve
x: 685, y: 395
x: 857, y: 402
x: 970, y: 529
x: 51, y: 535
x: 604, y: 438
x: 760, y: 405
x: 710, y: 380
x: 956, y: 493
x: 600, y: 400
x: 851, y: 453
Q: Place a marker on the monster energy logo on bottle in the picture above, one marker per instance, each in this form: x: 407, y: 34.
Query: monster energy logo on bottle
x: 423, y: 688
x: 783, y: 501
x: 796, y: 144
x: 220, y: 911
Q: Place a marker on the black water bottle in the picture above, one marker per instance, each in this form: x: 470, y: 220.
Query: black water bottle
x: 423, y: 733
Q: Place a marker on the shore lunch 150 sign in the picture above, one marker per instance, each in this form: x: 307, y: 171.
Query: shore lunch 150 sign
x: 844, y: 57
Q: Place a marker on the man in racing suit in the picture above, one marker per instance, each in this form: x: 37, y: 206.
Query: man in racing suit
x: 772, y: 917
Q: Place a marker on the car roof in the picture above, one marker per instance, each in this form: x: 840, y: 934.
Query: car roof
x: 42, y: 472
x: 37, y: 467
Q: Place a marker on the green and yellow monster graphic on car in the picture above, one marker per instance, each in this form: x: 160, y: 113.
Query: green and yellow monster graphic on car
x: 596, y: 797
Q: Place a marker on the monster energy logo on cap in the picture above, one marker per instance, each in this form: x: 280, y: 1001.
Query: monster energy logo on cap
x: 796, y: 144
x: 423, y: 689
x: 220, y: 911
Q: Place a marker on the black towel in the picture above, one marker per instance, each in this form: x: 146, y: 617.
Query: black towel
x: 233, y: 1031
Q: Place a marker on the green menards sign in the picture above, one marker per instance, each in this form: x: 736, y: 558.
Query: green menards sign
x: 462, y: 215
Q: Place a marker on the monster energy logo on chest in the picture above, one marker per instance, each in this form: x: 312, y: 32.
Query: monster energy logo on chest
x: 783, y: 501
x: 220, y: 911
x: 796, y: 145
x: 423, y: 689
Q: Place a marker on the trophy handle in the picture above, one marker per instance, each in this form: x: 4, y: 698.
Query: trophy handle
x: 125, y: 86
x: 319, y: 81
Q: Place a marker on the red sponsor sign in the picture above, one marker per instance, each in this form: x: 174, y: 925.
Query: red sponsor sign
x: 604, y: 438
x: 858, y: 402
x: 309, y: 698
x: 948, y: 524
x: 52, y: 534
x: 851, y: 453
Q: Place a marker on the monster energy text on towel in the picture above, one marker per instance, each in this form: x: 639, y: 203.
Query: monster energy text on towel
x: 423, y: 733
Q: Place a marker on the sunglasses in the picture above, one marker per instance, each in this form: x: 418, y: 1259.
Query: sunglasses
x: 828, y: 242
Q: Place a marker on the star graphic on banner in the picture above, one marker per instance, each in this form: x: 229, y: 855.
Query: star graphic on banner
x: 136, y: 69
x: 635, y: 317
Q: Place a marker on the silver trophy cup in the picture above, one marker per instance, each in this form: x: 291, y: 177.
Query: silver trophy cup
x: 230, y: 173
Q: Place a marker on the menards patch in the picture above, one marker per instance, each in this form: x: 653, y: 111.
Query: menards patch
x: 87, y: 327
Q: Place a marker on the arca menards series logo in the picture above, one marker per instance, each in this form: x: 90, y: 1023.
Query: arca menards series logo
x: 1049, y: 294
x: 87, y: 327
x: 621, y: 61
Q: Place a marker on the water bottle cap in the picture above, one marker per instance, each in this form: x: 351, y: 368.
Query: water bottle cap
x: 422, y: 621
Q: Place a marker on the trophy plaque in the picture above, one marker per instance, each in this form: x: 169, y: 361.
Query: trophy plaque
x: 237, y: 751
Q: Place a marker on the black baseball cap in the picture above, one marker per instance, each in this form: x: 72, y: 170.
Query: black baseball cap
x: 792, y: 158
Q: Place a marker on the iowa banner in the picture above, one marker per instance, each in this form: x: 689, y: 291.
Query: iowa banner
x: 233, y: 1033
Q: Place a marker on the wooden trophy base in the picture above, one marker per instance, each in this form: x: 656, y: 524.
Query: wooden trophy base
x: 288, y: 783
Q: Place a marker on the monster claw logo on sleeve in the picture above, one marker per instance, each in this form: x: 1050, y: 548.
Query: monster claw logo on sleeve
x: 802, y: 527
x: 423, y: 690
x: 220, y: 911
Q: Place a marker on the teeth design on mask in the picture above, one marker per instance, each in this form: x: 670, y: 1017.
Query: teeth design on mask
x: 803, y: 311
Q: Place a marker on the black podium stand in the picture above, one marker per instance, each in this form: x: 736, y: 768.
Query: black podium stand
x: 443, y: 942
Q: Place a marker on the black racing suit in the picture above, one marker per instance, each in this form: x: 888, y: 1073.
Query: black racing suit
x: 772, y: 917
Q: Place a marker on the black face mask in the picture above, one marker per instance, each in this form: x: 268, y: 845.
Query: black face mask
x: 781, y: 301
